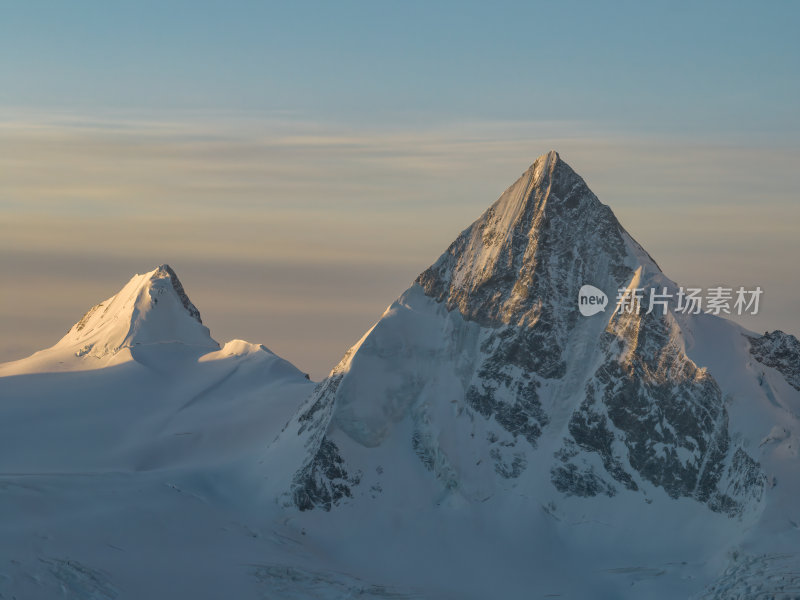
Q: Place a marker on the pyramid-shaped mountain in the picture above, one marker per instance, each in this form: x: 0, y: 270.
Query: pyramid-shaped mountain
x: 487, y: 379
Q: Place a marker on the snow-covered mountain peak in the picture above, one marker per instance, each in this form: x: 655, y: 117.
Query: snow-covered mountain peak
x: 533, y: 249
x: 150, y: 309
x: 486, y: 372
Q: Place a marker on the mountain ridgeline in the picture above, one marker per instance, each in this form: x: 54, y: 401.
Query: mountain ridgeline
x: 486, y: 438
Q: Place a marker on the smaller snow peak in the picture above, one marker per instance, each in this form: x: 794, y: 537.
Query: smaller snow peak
x: 166, y: 272
x: 152, y: 308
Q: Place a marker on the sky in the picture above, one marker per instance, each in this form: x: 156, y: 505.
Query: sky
x: 298, y: 164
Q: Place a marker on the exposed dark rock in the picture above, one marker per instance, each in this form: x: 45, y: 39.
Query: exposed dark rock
x: 781, y: 351
x: 664, y: 417
x: 569, y: 480
x: 323, y: 481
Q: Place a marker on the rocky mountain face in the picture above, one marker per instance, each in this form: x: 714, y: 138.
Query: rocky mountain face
x: 666, y: 418
x: 486, y: 361
x: 781, y: 351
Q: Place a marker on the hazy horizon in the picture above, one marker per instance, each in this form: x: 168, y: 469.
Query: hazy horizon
x: 300, y: 239
x: 299, y: 166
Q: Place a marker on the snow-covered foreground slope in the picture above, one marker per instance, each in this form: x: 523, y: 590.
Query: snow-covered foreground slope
x: 482, y: 440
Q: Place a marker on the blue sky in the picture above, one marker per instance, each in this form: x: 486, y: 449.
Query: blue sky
x: 300, y: 163
x: 721, y: 67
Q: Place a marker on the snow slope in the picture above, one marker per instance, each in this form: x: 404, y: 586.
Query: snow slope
x: 482, y: 440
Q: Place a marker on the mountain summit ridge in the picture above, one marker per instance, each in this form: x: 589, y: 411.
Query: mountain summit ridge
x: 495, y: 270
